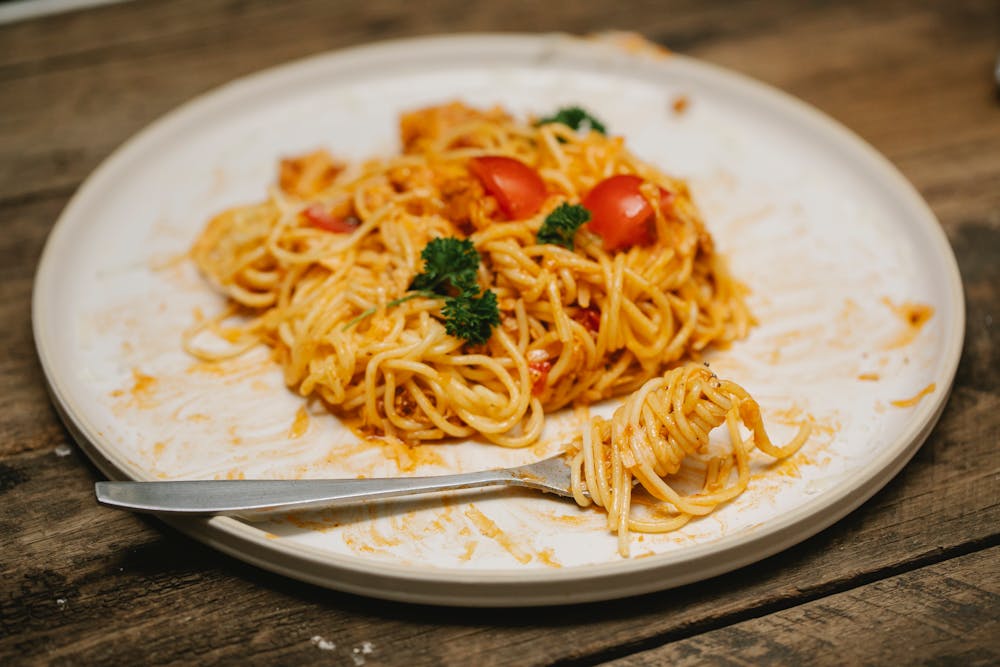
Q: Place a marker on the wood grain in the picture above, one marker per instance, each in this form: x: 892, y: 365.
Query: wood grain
x: 86, y: 585
x: 927, y: 616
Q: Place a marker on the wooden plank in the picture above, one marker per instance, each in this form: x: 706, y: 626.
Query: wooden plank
x: 110, y: 33
x: 945, y: 614
x: 28, y: 421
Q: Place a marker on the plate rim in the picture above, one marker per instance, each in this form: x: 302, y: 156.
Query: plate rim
x: 512, y: 587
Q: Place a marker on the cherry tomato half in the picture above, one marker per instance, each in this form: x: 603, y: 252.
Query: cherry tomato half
x: 517, y: 187
x: 619, y: 213
x: 322, y: 219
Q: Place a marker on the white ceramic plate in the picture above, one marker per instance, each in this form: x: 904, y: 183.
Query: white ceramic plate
x: 823, y: 229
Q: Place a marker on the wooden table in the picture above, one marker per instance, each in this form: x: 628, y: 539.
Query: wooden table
x: 912, y: 576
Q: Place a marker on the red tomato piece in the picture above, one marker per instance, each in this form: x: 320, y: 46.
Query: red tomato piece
x: 322, y: 219
x: 666, y: 202
x: 540, y: 374
x: 590, y: 318
x: 518, y: 188
x: 619, y: 213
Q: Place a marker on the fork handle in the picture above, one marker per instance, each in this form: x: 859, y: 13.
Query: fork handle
x: 243, y: 496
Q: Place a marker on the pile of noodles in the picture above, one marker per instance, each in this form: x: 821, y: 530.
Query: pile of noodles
x: 577, y: 325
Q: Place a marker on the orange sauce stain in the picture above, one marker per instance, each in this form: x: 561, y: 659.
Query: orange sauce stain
x: 158, y: 448
x: 914, y: 316
x: 680, y: 104
x: 427, y: 455
x: 301, y: 423
x: 584, y: 518
x: 547, y: 556
x: 144, y: 384
x: 489, y: 529
x: 790, y: 467
x: 379, y: 539
x: 441, y: 518
x: 910, y: 402
x: 353, y: 543
x: 142, y: 390
x: 198, y: 417
x: 470, y: 548
x: 406, y: 456
x: 869, y: 377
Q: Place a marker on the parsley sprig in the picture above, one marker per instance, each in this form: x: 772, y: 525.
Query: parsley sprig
x: 561, y: 224
x: 576, y: 118
x: 450, y: 267
x: 448, y: 262
x: 471, y: 317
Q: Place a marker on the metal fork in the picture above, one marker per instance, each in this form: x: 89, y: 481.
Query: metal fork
x: 551, y: 475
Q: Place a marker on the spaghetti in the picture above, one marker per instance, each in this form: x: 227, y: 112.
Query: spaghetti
x: 576, y: 325
x: 661, y: 433
x: 334, y: 273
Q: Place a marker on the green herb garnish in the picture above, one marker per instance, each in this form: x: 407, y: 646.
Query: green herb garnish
x: 561, y: 224
x: 471, y: 317
x: 448, y: 261
x: 450, y: 267
x: 575, y: 118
